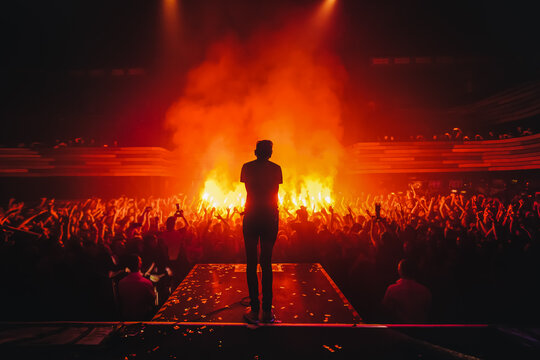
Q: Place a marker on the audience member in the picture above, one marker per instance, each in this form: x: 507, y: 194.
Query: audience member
x: 135, y: 293
x: 407, y: 301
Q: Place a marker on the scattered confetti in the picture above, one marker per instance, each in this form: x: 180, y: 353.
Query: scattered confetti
x: 328, y: 348
x: 199, y: 298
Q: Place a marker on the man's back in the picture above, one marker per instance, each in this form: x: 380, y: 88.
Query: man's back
x: 136, y: 297
x: 262, y: 179
x: 408, y: 301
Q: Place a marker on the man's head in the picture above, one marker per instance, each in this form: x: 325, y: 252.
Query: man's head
x: 133, y: 263
x: 263, y: 150
x: 406, y: 269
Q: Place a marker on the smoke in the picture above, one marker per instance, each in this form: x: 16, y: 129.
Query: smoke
x: 280, y: 85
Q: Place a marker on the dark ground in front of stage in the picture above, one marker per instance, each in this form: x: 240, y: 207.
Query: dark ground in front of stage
x: 317, y: 322
x: 169, y: 341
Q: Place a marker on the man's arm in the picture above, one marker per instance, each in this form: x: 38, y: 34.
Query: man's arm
x: 243, y: 174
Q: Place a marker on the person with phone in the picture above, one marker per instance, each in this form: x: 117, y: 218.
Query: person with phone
x: 174, y: 241
x: 378, y: 211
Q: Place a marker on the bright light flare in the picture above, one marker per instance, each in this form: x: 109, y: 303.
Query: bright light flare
x: 324, y: 11
x: 215, y: 195
x: 327, y: 6
x: 170, y: 31
x: 312, y: 192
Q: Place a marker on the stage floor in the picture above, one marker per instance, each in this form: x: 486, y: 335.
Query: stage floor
x: 304, y: 294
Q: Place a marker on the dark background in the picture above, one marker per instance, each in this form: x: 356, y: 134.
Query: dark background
x: 59, y: 57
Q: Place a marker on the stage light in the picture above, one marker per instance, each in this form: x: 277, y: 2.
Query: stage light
x: 170, y: 32
x: 328, y: 5
x: 324, y: 10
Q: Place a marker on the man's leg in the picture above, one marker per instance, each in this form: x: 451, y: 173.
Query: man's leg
x: 268, y: 239
x: 267, y: 275
x: 250, y: 244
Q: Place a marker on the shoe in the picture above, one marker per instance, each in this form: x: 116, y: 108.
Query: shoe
x: 251, y: 316
x: 268, y: 317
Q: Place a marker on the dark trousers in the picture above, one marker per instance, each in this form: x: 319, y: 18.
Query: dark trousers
x: 260, y: 226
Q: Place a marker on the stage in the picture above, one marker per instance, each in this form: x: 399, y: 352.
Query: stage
x: 304, y: 294
x: 203, y: 319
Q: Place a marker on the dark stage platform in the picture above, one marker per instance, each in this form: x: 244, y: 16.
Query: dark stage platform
x: 304, y: 294
x: 203, y: 320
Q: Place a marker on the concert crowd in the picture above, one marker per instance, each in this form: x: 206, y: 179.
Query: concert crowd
x: 475, y: 254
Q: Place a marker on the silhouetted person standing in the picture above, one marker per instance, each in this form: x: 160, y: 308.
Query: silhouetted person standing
x: 136, y: 293
x: 262, y: 178
x: 407, y: 301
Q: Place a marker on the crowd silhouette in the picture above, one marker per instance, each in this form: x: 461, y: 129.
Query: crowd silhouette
x: 458, y: 135
x: 476, y: 254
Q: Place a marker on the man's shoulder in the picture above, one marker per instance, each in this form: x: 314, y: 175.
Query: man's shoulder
x: 394, y: 287
x: 411, y: 284
x: 135, y: 278
x: 129, y: 278
x: 274, y: 165
x: 250, y: 163
x: 258, y: 165
x: 259, y: 162
x: 147, y: 282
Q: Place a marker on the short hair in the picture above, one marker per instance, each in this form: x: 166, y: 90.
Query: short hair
x: 406, y: 269
x: 263, y: 149
x: 133, y: 262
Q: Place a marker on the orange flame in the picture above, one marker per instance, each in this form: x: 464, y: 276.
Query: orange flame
x: 314, y: 193
x: 282, y: 86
